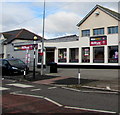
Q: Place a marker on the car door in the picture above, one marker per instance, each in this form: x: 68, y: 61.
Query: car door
x: 5, y: 67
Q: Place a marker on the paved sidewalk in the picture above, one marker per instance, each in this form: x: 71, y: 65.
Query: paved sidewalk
x: 69, y: 77
x: 50, y: 81
x: 89, y: 79
x: 86, y: 83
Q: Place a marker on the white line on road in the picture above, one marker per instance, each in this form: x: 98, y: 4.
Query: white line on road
x: 52, y: 87
x: 83, y: 91
x: 38, y: 97
x: 100, y: 88
x: 20, y: 85
x: 71, y: 89
x: 16, y: 92
x: 105, y: 92
x: 42, y: 97
x: 53, y: 102
x: 3, y: 88
x: 26, y: 95
x: 35, y: 89
x: 102, y: 111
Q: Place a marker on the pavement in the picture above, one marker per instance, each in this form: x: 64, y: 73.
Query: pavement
x: 93, y: 79
x: 101, y: 79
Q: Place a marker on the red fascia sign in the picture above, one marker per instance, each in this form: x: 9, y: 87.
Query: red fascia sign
x: 101, y: 40
x: 24, y: 47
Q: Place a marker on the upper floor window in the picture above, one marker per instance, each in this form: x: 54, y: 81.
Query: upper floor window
x: 85, y: 33
x: 113, y: 30
x: 99, y: 31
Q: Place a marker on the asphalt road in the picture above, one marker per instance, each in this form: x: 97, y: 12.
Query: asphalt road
x: 102, y: 102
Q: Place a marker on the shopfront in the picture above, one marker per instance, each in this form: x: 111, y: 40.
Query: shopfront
x: 97, y: 43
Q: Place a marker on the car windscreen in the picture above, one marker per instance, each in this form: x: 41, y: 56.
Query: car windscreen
x: 16, y: 62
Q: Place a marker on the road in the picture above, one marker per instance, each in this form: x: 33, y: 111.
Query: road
x: 60, y: 96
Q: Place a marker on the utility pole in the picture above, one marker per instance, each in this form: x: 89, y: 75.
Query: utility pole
x: 35, y: 38
x: 42, y: 50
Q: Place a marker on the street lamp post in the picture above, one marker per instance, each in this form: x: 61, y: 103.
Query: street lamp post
x: 42, y: 50
x: 35, y: 38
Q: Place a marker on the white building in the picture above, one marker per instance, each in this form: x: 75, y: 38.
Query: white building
x: 97, y: 43
x: 18, y: 44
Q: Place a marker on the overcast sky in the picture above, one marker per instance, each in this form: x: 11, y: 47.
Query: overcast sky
x: 61, y: 17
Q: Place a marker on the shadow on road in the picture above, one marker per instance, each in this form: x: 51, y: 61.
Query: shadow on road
x: 73, y: 81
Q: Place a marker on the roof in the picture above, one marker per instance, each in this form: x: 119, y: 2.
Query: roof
x: 64, y: 39
x: 112, y: 13
x: 21, y: 34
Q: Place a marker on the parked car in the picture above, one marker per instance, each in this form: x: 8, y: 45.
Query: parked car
x: 12, y: 66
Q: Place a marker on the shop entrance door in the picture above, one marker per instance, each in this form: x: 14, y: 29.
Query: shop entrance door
x: 50, y: 53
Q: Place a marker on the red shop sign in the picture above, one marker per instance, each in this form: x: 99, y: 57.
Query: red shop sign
x: 101, y: 40
x: 24, y: 47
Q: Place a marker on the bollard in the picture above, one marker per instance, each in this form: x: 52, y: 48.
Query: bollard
x: 78, y: 76
x: 24, y: 74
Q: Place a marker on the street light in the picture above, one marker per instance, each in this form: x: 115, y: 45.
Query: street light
x: 42, y: 49
x: 35, y: 38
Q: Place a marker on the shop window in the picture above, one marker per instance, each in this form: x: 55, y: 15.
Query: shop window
x: 113, y: 30
x: 62, y: 55
x: 99, y: 31
x: 113, y: 54
x: 39, y: 56
x: 74, y: 55
x: 86, y: 55
x: 85, y: 33
x: 98, y: 55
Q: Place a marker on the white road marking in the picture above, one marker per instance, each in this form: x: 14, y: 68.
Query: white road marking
x: 100, y: 88
x: 53, y: 102
x: 102, y: 111
x: 20, y: 85
x: 83, y: 91
x: 104, y: 92
x: 35, y: 89
x: 42, y: 97
x: 16, y: 92
x: 38, y: 97
x: 26, y: 95
x: 71, y: 89
x: 52, y: 87
x: 3, y: 88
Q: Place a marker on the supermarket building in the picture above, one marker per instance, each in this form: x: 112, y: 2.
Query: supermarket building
x: 97, y: 44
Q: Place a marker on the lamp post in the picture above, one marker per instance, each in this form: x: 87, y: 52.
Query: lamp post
x: 35, y: 38
x: 42, y: 49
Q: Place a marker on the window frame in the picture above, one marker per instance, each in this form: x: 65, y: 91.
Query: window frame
x: 70, y: 53
x: 87, y: 60
x: 98, y: 30
x: 62, y: 60
x: 113, y: 60
x: 87, y: 34
x: 112, y: 27
x: 102, y: 60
